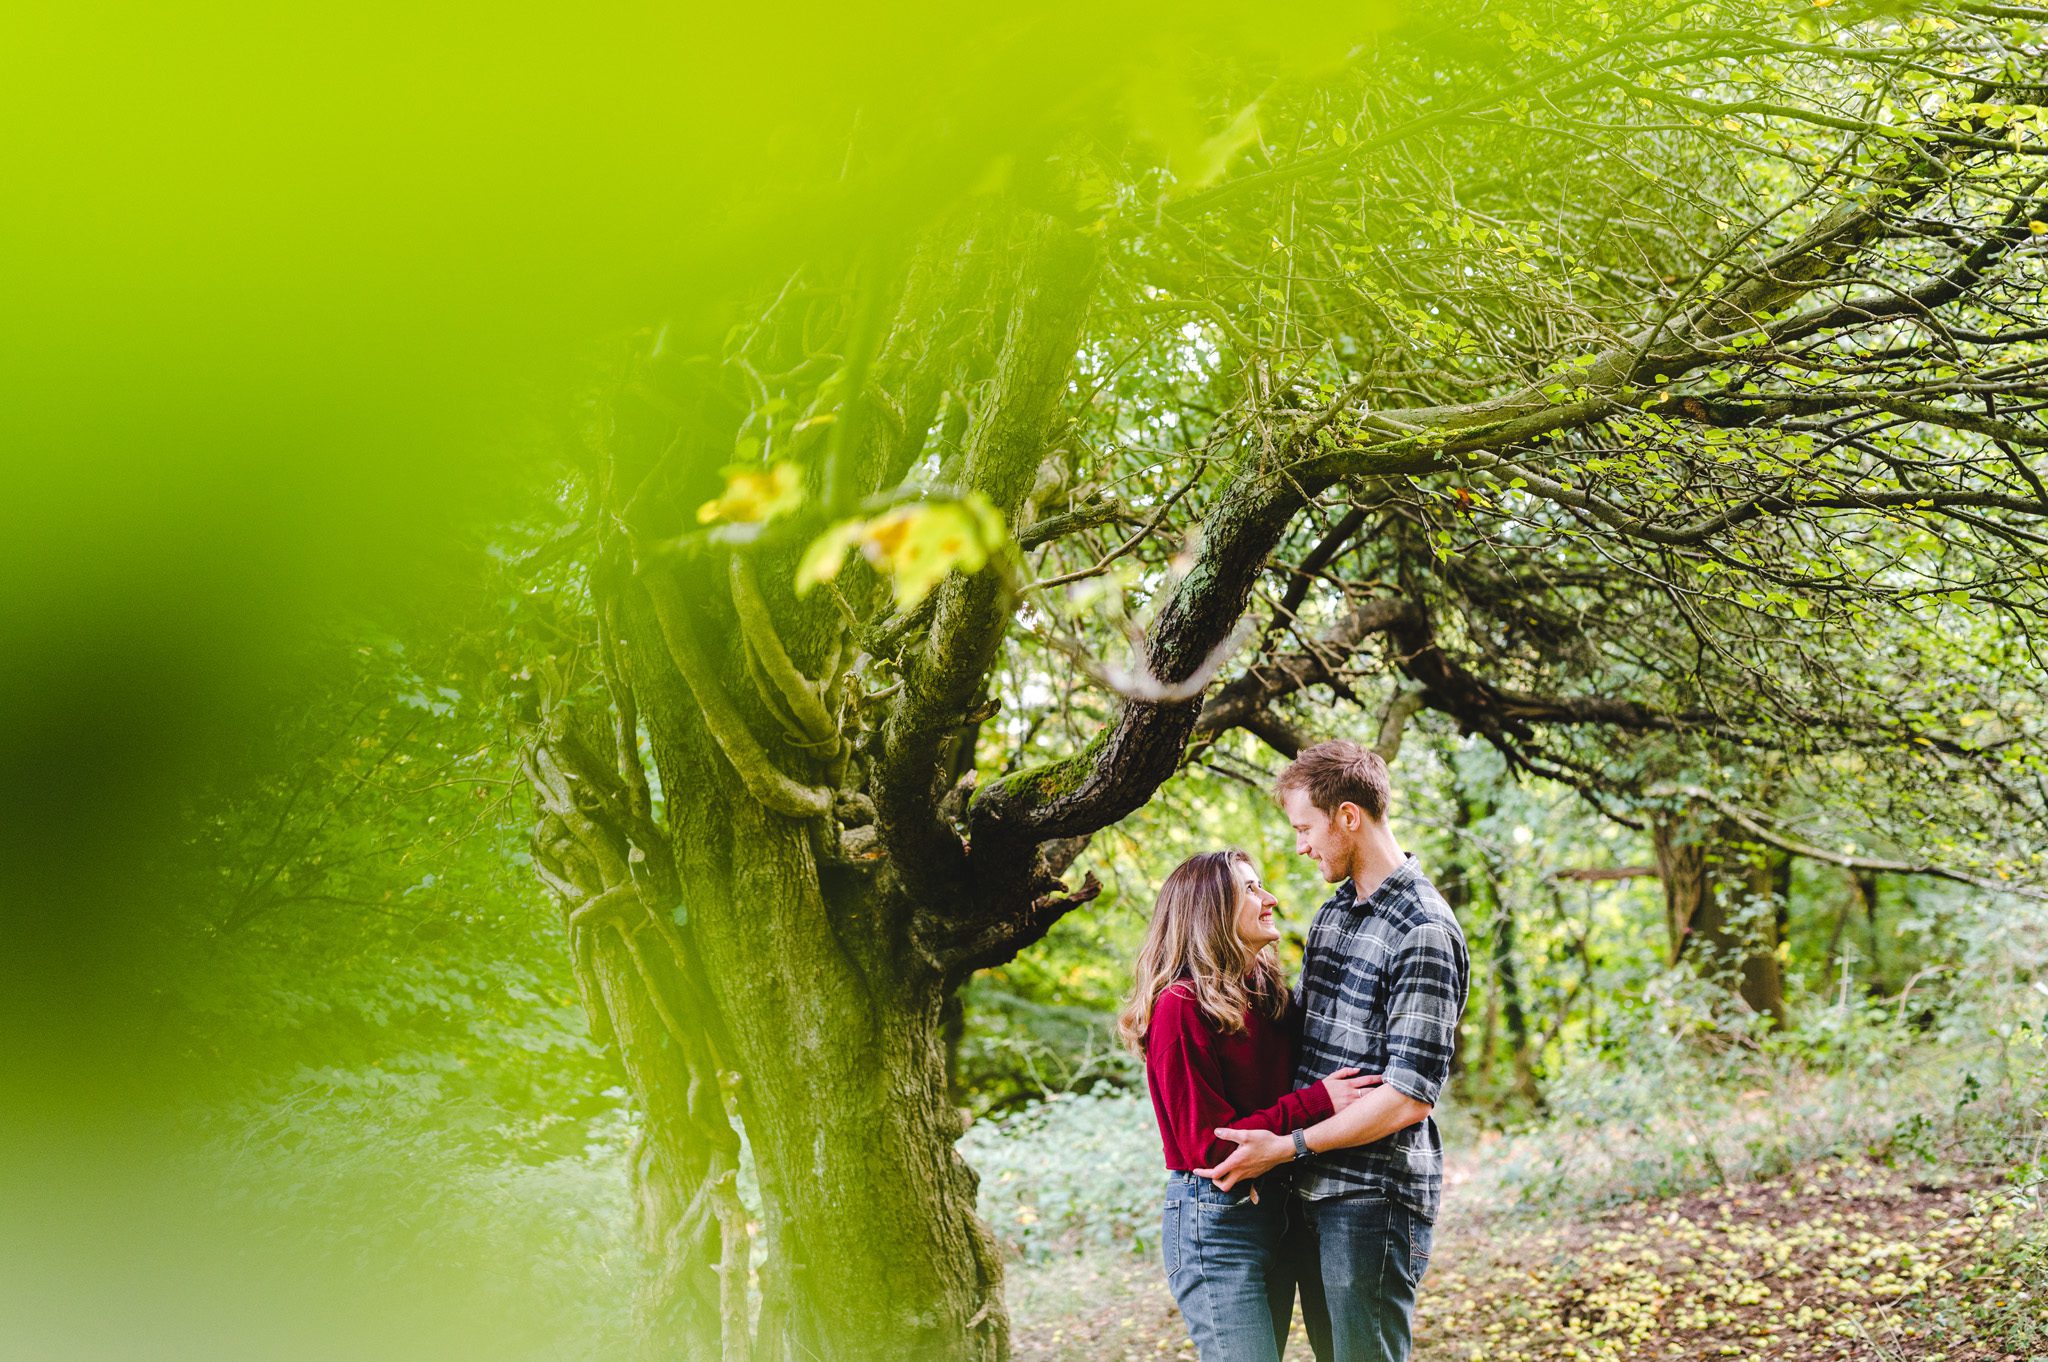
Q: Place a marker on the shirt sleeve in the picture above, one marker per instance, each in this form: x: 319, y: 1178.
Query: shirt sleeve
x: 1188, y: 1080
x: 1181, y: 1054
x: 1297, y: 1110
x: 1425, y: 999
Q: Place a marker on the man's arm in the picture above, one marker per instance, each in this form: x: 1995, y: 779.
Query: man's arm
x: 1424, y: 1002
x: 1379, y: 1113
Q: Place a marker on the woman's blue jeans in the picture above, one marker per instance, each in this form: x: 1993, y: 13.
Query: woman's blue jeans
x: 1225, y: 1268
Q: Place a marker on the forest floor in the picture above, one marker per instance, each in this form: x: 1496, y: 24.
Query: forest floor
x: 1846, y: 1259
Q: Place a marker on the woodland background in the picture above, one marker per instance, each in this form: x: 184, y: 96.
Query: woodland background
x: 614, y: 620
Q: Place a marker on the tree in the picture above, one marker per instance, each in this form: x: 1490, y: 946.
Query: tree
x: 1707, y: 912
x: 1640, y: 391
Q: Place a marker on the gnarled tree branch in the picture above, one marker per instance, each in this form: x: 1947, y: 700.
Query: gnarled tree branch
x: 774, y: 788
x: 942, y: 677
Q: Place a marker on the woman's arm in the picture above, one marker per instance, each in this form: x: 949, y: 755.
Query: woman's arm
x: 1186, y: 1080
x: 1180, y: 1050
x: 1296, y: 1110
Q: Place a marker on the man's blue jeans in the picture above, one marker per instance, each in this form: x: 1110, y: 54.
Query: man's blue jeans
x: 1359, y: 1259
x: 1225, y: 1267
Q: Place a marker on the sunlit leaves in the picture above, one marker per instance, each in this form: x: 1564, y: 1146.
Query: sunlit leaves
x: 914, y: 545
x: 754, y: 496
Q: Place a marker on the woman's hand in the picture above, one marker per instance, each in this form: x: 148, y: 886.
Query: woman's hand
x: 1347, y: 1086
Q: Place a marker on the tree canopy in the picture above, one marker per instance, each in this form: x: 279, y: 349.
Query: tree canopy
x: 1652, y: 393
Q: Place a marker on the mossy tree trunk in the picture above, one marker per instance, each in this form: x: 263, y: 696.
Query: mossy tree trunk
x: 773, y: 927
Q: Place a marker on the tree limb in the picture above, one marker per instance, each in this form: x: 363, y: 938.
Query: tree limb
x: 797, y: 693
x: 1237, y: 703
x: 1749, y: 823
x: 771, y: 786
x: 1087, y: 515
x: 943, y: 678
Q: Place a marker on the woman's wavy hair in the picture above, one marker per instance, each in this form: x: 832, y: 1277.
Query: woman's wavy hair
x: 1193, y: 936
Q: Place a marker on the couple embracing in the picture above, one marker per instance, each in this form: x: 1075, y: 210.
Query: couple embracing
x: 1297, y: 1124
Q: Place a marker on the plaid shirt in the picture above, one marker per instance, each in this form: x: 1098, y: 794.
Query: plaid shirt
x: 1382, y: 986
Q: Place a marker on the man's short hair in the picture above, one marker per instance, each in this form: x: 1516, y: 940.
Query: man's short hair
x: 1339, y: 772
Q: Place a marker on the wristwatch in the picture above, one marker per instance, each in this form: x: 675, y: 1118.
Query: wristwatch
x: 1301, y: 1149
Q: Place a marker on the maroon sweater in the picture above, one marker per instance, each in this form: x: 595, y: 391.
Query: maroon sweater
x: 1201, y: 1079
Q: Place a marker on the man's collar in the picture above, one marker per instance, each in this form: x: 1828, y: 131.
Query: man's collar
x: 1347, y: 898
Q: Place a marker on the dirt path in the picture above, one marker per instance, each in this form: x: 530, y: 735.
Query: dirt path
x: 1841, y: 1261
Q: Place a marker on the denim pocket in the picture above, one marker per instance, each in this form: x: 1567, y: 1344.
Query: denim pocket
x: 1421, y: 1235
x: 1208, y: 1194
x: 1169, y: 1236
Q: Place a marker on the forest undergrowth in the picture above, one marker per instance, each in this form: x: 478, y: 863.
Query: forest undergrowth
x: 1732, y: 1199
x: 1866, y: 1185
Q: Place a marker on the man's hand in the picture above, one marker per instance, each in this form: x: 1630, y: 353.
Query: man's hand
x: 1257, y: 1151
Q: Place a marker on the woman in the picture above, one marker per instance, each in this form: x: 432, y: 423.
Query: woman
x: 1209, y: 1014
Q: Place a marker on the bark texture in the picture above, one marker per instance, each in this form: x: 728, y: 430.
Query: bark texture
x: 1722, y: 910
x: 774, y: 941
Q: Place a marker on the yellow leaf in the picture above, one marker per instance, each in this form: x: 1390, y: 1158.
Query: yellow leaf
x: 885, y: 535
x: 822, y: 560
x: 933, y: 540
x: 914, y: 545
x: 755, y: 495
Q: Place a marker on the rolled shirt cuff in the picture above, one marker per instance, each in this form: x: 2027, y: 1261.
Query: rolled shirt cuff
x: 1413, y: 1083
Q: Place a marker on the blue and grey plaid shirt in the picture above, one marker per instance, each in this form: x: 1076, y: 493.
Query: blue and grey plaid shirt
x: 1382, y: 986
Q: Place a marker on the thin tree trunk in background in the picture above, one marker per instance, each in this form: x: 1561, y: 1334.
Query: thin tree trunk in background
x: 1763, y: 972
x: 1689, y: 905
x: 1853, y: 897
x: 1866, y: 892
x: 1455, y: 884
x: 1505, y: 967
x: 1489, y: 1022
x: 1472, y: 894
x: 1740, y: 953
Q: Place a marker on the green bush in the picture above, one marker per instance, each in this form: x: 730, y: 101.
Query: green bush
x: 1018, y: 1050
x: 1077, y: 1170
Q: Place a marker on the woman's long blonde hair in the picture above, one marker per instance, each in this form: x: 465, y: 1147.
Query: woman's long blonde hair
x: 1193, y: 936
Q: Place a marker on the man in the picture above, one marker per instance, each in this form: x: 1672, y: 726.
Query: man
x: 1382, y: 987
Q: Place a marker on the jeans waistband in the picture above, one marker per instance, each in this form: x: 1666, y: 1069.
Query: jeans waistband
x: 1267, y: 1178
